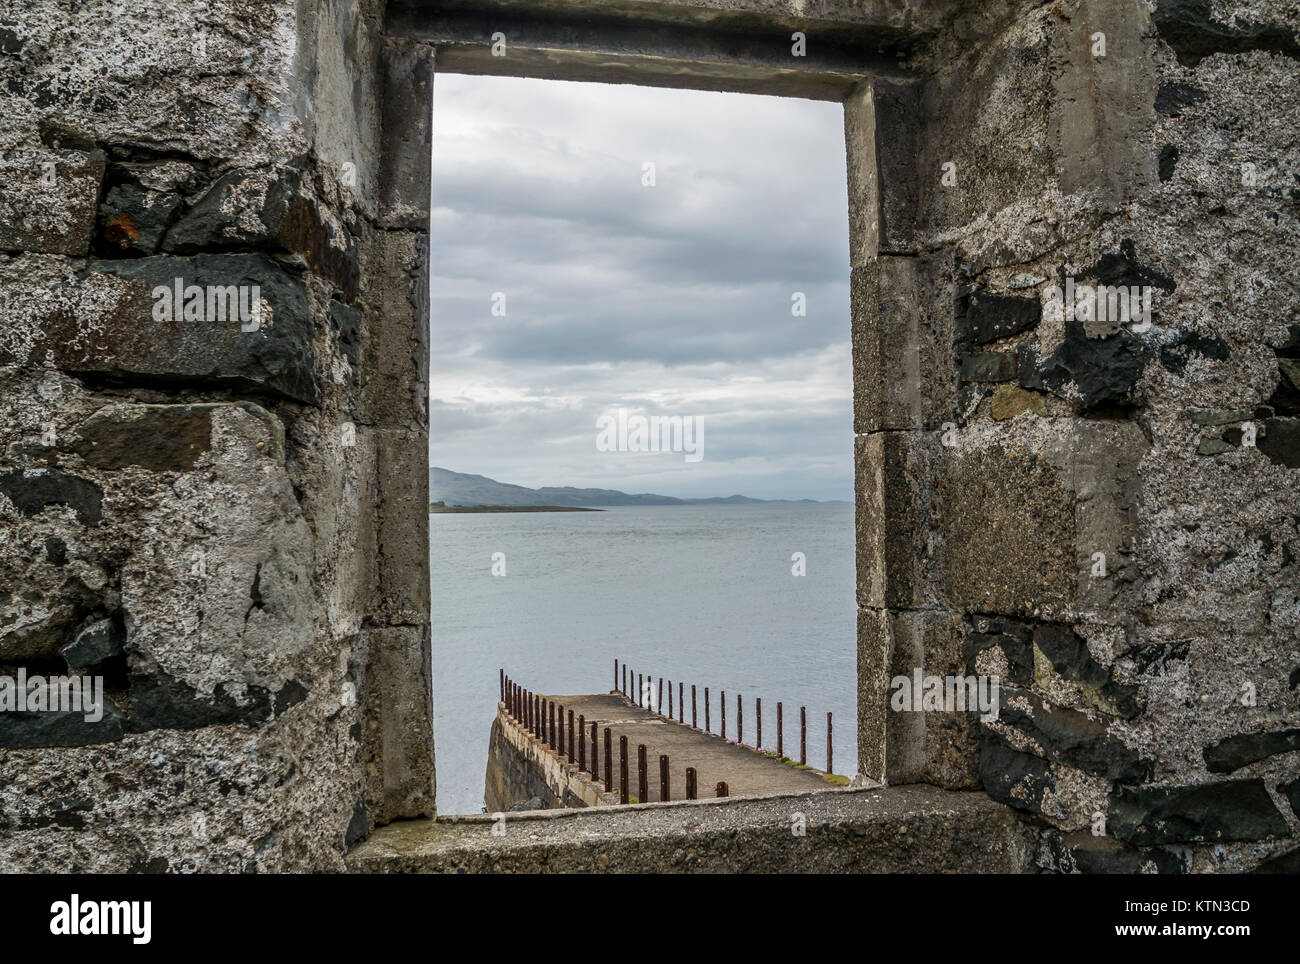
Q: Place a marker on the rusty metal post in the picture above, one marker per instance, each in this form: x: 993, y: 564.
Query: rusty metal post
x: 582, y: 742
x: 670, y: 699
x: 595, y: 773
x: 758, y: 723
x: 721, y: 789
x: 803, y: 736
x: 665, y: 793
x: 829, y: 757
x: 694, y: 718
x: 554, y: 741
x: 624, y: 679
x: 740, y: 719
x: 622, y: 769
x: 659, y: 703
x: 707, y: 728
x: 616, y: 675
x: 780, y: 747
x: 559, y: 729
x: 640, y: 690
x: 690, y: 784
x: 722, y: 705
x: 642, y: 786
x: 681, y: 702
x: 503, y: 685
x: 572, y: 758
x: 609, y: 762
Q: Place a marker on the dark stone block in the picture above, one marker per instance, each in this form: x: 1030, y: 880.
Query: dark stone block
x: 23, y: 731
x: 1168, y: 161
x: 1286, y: 863
x: 1069, y: 655
x: 1103, y: 371
x: 63, y: 811
x: 1236, y: 752
x: 1072, y: 738
x: 56, y: 551
x: 161, y: 438
x: 1172, y: 98
x: 988, y: 366
x: 1292, y: 793
x: 346, y: 320
x: 277, y: 357
x: 1123, y: 269
x: 1175, y: 355
x: 33, y: 490
x: 132, y: 220
x: 982, y: 317
x: 358, y: 825
x: 1281, y: 441
x: 160, y: 701
x: 1014, y: 645
x: 290, y: 221
x: 1154, y: 660
x: 1187, y: 27
x: 1209, y: 813
x: 1012, y: 777
x: 100, y: 641
x: 1106, y: 855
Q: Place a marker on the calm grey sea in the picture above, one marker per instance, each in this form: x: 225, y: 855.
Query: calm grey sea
x: 702, y: 594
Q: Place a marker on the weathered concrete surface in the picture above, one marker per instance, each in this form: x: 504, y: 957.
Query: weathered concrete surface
x: 900, y: 830
x: 1076, y: 505
x: 536, y: 770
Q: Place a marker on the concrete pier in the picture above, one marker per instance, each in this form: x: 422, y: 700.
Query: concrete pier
x: 521, y: 768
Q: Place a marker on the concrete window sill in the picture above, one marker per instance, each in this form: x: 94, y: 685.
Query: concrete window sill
x: 907, y: 829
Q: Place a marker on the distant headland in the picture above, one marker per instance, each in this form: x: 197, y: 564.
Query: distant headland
x: 457, y: 490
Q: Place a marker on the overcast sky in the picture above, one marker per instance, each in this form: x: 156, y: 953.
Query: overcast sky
x: 666, y: 300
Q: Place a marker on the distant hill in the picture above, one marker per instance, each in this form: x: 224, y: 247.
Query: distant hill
x: 458, y: 488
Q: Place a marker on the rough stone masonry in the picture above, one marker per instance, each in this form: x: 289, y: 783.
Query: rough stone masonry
x: 222, y: 512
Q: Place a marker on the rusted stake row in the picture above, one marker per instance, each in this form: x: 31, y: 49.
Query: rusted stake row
x: 758, y: 723
x: 503, y: 685
x: 722, y: 705
x: 624, y: 690
x: 830, y: 762
x: 740, y: 719
x: 616, y: 675
x: 665, y: 792
x: 609, y: 762
x: 595, y: 769
x: 642, y: 778
x: 803, y: 736
x: 780, y: 747
x: 670, y: 699
x: 640, y: 690
x: 721, y: 789
x: 659, y: 703
x: 707, y: 727
x: 681, y: 701
x: 572, y: 757
x: 582, y: 743
x: 693, y: 716
x: 622, y: 769
x: 690, y: 784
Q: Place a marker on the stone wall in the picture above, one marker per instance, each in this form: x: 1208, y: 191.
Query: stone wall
x: 226, y: 521
x: 192, y: 506
x: 525, y: 774
x: 1149, y: 704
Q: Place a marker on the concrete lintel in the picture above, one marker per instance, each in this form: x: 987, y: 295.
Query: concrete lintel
x: 898, y: 829
x: 670, y: 45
